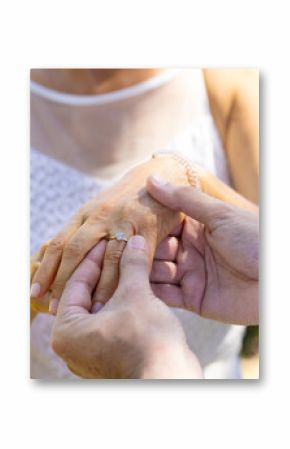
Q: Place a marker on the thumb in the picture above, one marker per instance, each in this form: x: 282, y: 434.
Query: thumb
x: 134, y: 266
x: 189, y: 200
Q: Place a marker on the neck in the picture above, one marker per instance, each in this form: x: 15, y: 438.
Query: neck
x: 91, y: 81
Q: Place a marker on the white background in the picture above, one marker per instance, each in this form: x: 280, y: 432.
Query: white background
x: 131, y: 414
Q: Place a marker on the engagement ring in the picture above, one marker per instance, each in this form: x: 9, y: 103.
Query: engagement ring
x: 120, y: 236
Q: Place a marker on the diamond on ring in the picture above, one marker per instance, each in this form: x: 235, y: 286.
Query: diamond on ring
x: 120, y: 235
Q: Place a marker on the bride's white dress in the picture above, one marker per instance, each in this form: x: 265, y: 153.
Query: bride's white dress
x: 58, y: 190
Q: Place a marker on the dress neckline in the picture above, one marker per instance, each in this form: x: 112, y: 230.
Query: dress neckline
x: 117, y: 95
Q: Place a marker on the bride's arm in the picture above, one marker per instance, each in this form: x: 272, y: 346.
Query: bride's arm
x: 218, y: 189
x: 234, y: 101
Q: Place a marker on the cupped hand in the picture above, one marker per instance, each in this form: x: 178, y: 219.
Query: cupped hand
x: 211, y: 267
x: 127, y: 208
x: 134, y: 335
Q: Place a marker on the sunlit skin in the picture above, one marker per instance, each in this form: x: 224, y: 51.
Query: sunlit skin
x: 152, y: 344
x: 210, y: 266
x: 90, y: 81
x: 236, y: 115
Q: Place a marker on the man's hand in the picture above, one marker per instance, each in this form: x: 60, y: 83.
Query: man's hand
x: 134, y: 335
x: 212, y: 267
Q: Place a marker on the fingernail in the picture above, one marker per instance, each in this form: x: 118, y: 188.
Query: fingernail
x: 53, y: 305
x: 137, y: 242
x: 158, y: 181
x: 96, y: 307
x: 35, y: 290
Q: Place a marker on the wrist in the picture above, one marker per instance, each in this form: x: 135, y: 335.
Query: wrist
x: 170, y: 361
x: 193, y: 170
x: 166, y: 167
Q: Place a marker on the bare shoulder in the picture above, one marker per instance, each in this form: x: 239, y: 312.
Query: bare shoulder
x: 229, y: 91
x: 227, y: 82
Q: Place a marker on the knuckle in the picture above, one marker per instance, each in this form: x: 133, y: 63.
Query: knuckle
x: 104, y: 209
x: 56, y: 245
x: 93, y: 218
x: 73, y: 249
x: 136, y: 261
x: 150, y: 221
x: 81, y: 217
x: 221, y: 214
x: 69, y: 285
x: 129, y: 210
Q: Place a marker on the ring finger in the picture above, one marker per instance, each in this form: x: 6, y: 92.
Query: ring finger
x: 110, y: 271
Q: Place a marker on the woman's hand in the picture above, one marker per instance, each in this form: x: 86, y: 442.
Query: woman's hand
x: 126, y: 207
